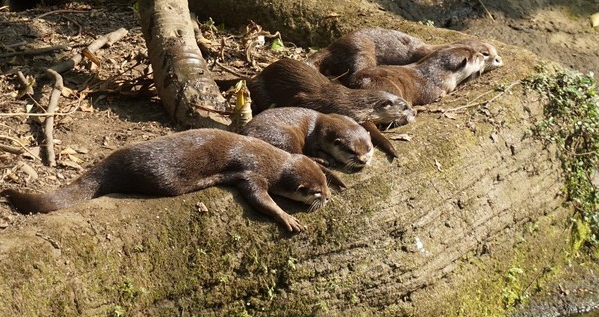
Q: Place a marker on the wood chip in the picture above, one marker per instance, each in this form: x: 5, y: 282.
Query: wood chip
x: 595, y: 19
x: 30, y: 171
x: 438, y: 165
x: 401, y: 137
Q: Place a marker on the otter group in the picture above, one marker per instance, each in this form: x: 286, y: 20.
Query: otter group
x: 284, y: 151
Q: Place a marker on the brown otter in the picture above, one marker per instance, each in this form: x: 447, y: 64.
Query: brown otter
x: 427, y: 80
x: 291, y: 83
x: 369, y: 47
x: 329, y: 137
x: 189, y: 161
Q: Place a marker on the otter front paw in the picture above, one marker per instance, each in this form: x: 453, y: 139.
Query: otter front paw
x: 292, y: 224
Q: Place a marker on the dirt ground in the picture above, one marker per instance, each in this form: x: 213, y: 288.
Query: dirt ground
x: 113, y: 105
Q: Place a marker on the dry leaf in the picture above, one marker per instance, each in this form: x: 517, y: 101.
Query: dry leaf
x: 71, y: 164
x: 67, y: 92
x: 86, y: 107
x: 450, y: 115
x: 75, y: 159
x: 68, y: 151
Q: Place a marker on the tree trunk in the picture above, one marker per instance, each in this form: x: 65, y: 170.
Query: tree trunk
x: 180, y: 72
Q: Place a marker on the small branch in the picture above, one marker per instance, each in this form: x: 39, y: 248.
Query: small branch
x: 60, y: 11
x: 27, y: 87
x: 11, y: 149
x: 52, y: 106
x: 486, y: 10
x: 230, y: 70
x: 468, y: 105
x: 37, y: 51
x: 107, y: 39
x: 6, y: 137
x: 55, y: 244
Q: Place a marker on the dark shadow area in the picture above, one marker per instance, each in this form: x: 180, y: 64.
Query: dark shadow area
x: 453, y: 14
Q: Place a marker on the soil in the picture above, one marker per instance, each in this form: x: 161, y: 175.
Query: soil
x: 115, y: 104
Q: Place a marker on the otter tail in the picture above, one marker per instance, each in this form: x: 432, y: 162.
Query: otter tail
x: 69, y: 195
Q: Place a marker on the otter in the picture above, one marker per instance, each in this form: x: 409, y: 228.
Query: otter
x: 370, y: 47
x: 325, y: 137
x: 291, y: 83
x: 426, y: 80
x: 189, y: 161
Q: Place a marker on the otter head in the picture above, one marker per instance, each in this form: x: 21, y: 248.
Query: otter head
x: 347, y: 141
x: 301, y: 179
x: 389, y: 108
x: 489, y: 52
x: 462, y: 61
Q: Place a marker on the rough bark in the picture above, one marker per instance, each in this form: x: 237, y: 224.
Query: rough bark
x: 180, y: 72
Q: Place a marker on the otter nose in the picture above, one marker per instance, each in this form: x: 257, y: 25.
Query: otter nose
x: 363, y: 160
x: 498, y: 61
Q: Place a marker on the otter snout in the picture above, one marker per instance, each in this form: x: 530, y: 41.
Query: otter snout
x: 394, y: 109
x: 497, y: 62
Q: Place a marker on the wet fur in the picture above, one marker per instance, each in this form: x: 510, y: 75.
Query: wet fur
x: 324, y: 136
x: 189, y: 161
x: 425, y: 81
x: 291, y: 83
x: 370, y: 47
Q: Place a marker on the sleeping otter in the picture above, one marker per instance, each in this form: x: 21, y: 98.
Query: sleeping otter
x: 370, y: 47
x: 189, y: 161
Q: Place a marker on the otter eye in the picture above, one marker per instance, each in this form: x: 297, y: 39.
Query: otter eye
x: 337, y: 142
x: 485, y: 54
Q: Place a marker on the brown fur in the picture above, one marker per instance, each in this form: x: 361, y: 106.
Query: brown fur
x: 370, y: 47
x: 291, y: 83
x: 328, y: 137
x: 425, y: 81
x: 189, y: 161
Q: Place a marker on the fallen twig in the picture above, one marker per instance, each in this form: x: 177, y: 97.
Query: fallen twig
x: 52, y: 106
x: 11, y: 149
x: 107, y: 39
x: 468, y: 105
x: 55, y: 244
x: 230, y: 70
x: 486, y: 10
x: 27, y: 86
x: 60, y: 11
x: 36, y: 51
x: 6, y: 137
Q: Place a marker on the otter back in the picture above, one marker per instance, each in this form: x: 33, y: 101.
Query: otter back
x: 189, y: 161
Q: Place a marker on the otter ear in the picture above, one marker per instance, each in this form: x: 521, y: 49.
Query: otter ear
x: 302, y: 189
